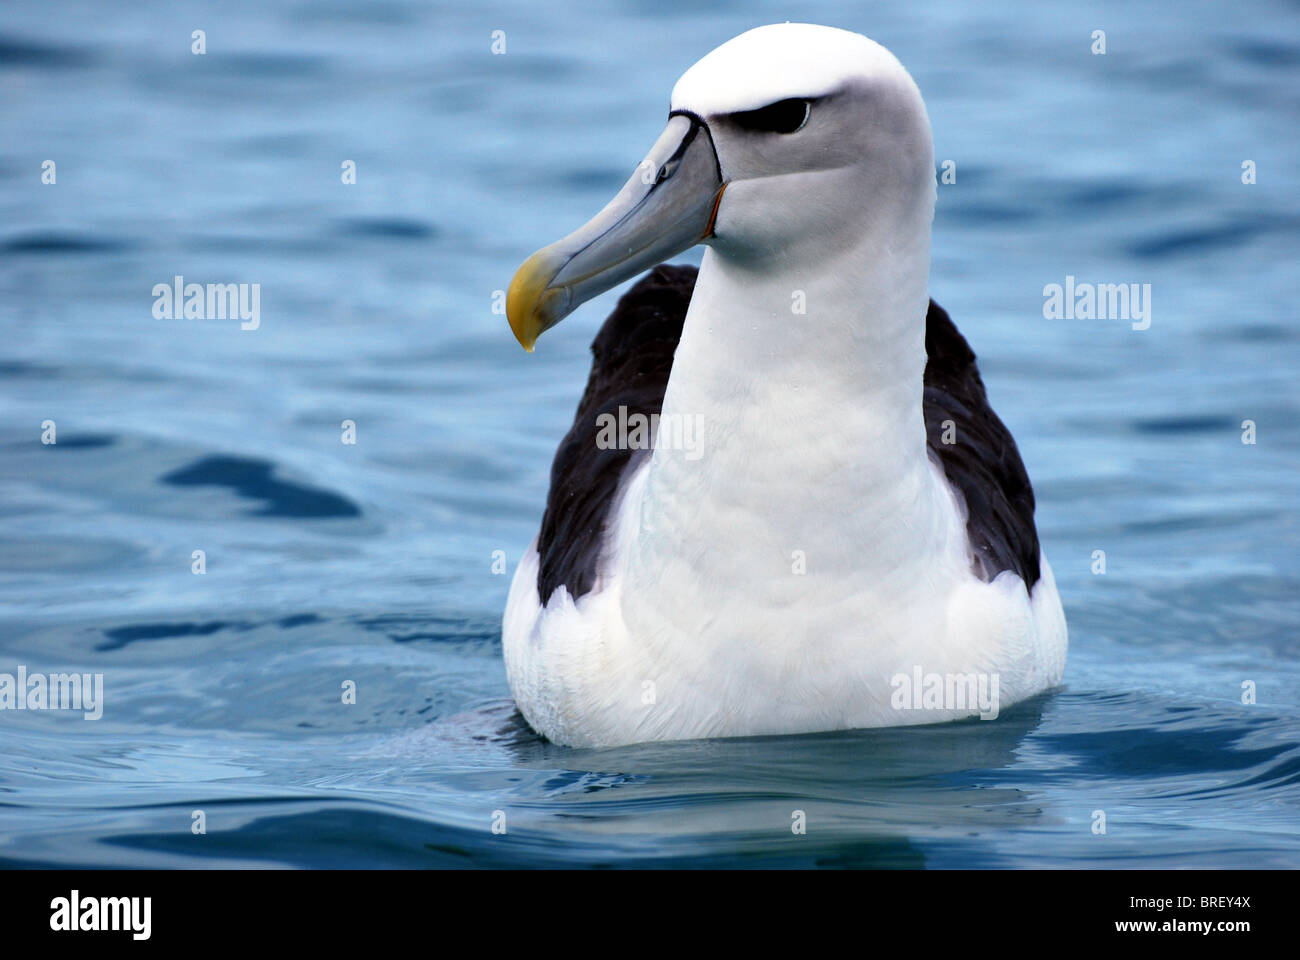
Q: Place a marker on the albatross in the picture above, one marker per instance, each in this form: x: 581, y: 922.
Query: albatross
x: 853, y: 515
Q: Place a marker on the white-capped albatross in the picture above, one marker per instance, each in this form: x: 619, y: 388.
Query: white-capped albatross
x: 853, y: 515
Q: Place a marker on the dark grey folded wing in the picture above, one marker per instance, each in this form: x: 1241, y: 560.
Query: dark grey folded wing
x: 983, y: 462
x: 632, y: 359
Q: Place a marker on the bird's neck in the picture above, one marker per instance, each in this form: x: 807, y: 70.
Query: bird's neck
x: 805, y: 388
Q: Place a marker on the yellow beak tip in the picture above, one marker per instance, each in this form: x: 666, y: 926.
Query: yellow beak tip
x: 527, y: 295
x: 525, y: 340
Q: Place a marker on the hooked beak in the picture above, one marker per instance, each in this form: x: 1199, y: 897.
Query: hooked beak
x: 668, y: 206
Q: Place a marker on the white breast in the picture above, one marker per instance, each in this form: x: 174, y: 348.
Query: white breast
x: 582, y: 678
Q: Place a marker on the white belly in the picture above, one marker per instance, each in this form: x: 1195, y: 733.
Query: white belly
x: 581, y: 678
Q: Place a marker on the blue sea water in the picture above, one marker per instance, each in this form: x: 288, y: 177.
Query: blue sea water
x: 373, y: 562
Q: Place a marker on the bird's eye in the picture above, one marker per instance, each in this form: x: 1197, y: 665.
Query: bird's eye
x: 784, y: 116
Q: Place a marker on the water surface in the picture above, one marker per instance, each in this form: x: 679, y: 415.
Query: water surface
x: 373, y: 562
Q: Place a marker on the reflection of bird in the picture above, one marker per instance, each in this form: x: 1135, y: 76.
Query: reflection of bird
x: 852, y: 512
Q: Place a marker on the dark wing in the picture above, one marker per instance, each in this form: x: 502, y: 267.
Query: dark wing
x: 982, y: 462
x: 633, y: 356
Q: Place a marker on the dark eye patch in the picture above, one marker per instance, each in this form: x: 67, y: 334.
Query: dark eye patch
x: 784, y: 116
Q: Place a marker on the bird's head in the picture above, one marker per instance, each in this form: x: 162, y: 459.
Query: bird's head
x: 782, y: 144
